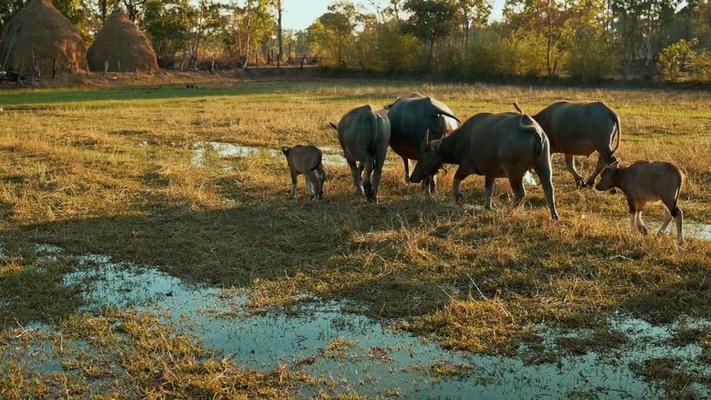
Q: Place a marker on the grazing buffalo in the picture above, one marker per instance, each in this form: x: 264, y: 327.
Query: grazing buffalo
x: 496, y: 146
x: 580, y: 129
x: 306, y: 160
x: 364, y: 135
x: 411, y: 118
x: 644, y: 182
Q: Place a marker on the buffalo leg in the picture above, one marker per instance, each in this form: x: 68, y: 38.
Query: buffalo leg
x: 321, y: 180
x: 489, y: 182
x: 367, y: 175
x: 516, y: 182
x: 428, y: 185
x: 570, y: 166
x: 667, y: 220
x: 378, y: 172
x: 313, y: 183
x: 598, y: 168
x: 543, y: 170
x: 679, y: 218
x: 355, y: 172
x: 456, y: 182
x: 406, y: 164
x: 293, y: 186
x: 640, y: 225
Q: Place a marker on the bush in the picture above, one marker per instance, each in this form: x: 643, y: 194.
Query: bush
x: 522, y: 54
x: 674, y: 59
x: 592, y: 59
x: 700, y: 64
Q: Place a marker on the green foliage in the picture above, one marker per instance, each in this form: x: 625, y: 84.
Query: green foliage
x: 522, y: 53
x: 700, y: 64
x: 592, y: 58
x: 430, y: 20
x: 674, y: 59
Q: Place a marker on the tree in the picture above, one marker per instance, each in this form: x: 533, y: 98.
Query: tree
x: 169, y: 24
x: 337, y: 27
x: 248, y: 27
x: 430, y: 20
x: 548, y: 17
x: 473, y: 13
x: 280, y: 28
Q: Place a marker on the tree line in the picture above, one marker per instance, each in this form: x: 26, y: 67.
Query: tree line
x: 580, y: 39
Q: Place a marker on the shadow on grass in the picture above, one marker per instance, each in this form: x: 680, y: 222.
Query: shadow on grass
x: 404, y: 258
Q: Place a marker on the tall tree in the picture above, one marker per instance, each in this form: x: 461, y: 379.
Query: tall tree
x: 474, y: 13
x: 430, y: 20
x: 549, y: 17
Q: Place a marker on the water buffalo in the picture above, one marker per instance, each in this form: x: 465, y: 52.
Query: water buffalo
x: 580, y: 129
x: 644, y: 182
x: 364, y: 135
x: 496, y: 146
x: 306, y: 160
x: 411, y: 118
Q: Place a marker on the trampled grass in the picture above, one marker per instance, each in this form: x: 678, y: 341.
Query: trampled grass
x: 109, y: 171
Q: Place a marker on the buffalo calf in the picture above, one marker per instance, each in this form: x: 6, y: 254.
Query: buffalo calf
x: 644, y: 182
x: 306, y: 160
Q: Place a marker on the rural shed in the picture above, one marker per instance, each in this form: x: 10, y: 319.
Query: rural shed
x: 121, y: 47
x: 40, y: 41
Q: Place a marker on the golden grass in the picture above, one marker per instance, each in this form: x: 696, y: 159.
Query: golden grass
x: 115, y: 177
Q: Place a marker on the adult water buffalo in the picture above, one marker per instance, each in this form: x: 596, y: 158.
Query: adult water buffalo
x: 411, y: 118
x: 580, y: 129
x: 364, y: 135
x: 495, y: 146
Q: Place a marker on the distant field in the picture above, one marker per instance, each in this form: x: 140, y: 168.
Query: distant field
x: 113, y: 172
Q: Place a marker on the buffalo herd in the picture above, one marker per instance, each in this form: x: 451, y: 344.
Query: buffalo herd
x: 506, y: 145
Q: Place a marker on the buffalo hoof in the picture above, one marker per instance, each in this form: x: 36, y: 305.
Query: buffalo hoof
x: 368, y: 190
x: 555, y: 216
x: 643, y: 230
x: 580, y: 184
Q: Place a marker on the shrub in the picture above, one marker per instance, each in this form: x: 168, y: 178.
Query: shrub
x: 591, y: 58
x: 674, y: 59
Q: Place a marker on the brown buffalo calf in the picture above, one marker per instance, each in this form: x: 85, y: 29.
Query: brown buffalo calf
x: 307, y: 161
x: 644, y: 182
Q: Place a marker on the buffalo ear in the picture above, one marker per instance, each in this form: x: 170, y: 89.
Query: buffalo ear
x: 435, y: 145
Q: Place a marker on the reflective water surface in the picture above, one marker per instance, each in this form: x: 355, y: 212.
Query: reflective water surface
x: 372, y: 359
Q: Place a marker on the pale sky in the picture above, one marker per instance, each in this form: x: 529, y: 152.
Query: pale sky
x: 299, y: 14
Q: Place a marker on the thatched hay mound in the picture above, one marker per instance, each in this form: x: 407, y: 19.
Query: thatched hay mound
x: 122, y: 47
x: 41, y: 41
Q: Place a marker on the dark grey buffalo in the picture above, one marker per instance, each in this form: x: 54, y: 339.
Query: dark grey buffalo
x: 495, y: 146
x: 306, y: 160
x: 580, y: 129
x: 364, y: 135
x: 411, y: 118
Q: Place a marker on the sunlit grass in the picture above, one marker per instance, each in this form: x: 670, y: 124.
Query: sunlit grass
x: 109, y: 171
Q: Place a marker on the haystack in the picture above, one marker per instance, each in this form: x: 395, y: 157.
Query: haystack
x: 121, y: 47
x: 39, y: 40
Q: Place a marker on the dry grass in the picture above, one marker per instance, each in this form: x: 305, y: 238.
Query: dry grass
x: 110, y: 172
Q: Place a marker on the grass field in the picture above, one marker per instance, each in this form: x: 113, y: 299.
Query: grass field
x: 111, y: 171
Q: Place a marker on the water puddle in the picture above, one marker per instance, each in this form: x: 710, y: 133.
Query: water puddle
x: 225, y: 151
x: 358, y: 355
x: 692, y: 229
x: 697, y: 230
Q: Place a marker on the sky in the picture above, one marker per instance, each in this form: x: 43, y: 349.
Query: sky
x: 299, y: 14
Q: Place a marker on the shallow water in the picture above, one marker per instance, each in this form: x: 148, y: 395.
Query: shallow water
x: 380, y: 361
x: 692, y: 229
x: 225, y: 150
